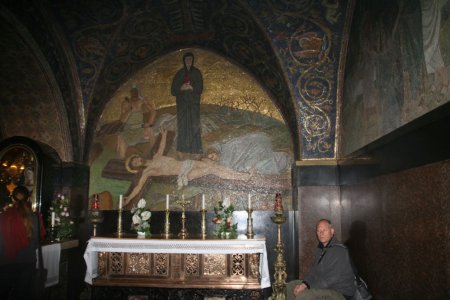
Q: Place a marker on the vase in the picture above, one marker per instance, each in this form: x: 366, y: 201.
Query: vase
x: 225, y: 235
x: 141, y: 234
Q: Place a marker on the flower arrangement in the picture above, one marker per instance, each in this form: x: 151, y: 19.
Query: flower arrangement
x: 141, y: 218
x: 59, y: 217
x: 224, y: 220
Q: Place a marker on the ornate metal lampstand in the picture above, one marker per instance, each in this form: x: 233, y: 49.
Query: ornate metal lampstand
x: 279, y: 288
x: 183, y: 232
x: 96, y: 217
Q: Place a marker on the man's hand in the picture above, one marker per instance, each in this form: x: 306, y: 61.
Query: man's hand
x: 299, y: 288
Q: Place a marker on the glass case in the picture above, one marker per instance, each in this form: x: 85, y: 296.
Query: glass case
x: 18, y: 167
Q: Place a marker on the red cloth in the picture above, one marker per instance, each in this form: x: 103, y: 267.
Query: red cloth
x: 14, y: 232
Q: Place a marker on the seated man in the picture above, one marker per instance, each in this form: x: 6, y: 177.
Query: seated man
x: 332, y: 268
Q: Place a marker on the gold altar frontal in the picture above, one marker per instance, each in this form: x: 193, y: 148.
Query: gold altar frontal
x: 177, y: 263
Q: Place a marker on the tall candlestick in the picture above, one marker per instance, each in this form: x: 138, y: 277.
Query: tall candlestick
x: 167, y: 201
x: 183, y: 232
x: 249, y: 201
x: 203, y: 201
x: 120, y: 201
x: 53, y: 218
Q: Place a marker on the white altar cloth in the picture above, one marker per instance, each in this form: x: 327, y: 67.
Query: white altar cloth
x: 51, y: 255
x: 178, y: 246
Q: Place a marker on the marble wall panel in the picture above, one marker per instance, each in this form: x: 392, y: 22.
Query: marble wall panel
x: 398, y: 233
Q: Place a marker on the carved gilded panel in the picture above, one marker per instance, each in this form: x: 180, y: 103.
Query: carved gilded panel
x: 214, y: 265
x: 116, y: 260
x: 102, y: 261
x: 138, y: 264
x: 238, y: 265
x: 254, y: 265
x: 161, y: 264
x: 192, y: 265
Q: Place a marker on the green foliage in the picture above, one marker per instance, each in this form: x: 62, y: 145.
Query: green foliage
x: 63, y: 221
x: 224, y: 221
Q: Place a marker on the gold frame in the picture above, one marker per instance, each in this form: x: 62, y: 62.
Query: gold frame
x: 15, y: 160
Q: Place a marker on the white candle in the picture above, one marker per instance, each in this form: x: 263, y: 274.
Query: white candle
x: 120, y: 201
x: 249, y: 201
x: 167, y: 201
x: 53, y: 218
x: 203, y: 201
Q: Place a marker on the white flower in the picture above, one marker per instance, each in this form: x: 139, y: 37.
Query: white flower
x: 146, y: 215
x: 62, y: 197
x: 226, y: 202
x: 141, y: 203
x: 136, y: 219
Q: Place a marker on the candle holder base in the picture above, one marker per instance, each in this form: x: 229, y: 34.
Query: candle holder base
x: 183, y: 233
x: 53, y: 234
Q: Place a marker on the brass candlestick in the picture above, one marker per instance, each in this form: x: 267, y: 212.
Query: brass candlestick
x: 279, y: 288
x: 96, y: 217
x: 119, y: 223
x: 167, y: 224
x: 203, y: 226
x: 250, y: 224
x: 183, y: 232
x: 53, y: 233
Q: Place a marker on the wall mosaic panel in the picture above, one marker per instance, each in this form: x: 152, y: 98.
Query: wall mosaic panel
x: 238, y: 119
x: 398, y: 67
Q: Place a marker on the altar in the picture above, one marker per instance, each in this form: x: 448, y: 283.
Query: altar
x: 177, y: 263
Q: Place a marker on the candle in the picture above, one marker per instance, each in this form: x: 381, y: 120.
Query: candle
x: 120, y: 201
x: 53, y: 218
x: 249, y: 201
x: 167, y: 201
x: 203, y: 201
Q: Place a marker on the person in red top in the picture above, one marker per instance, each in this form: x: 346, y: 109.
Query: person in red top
x: 19, y: 236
